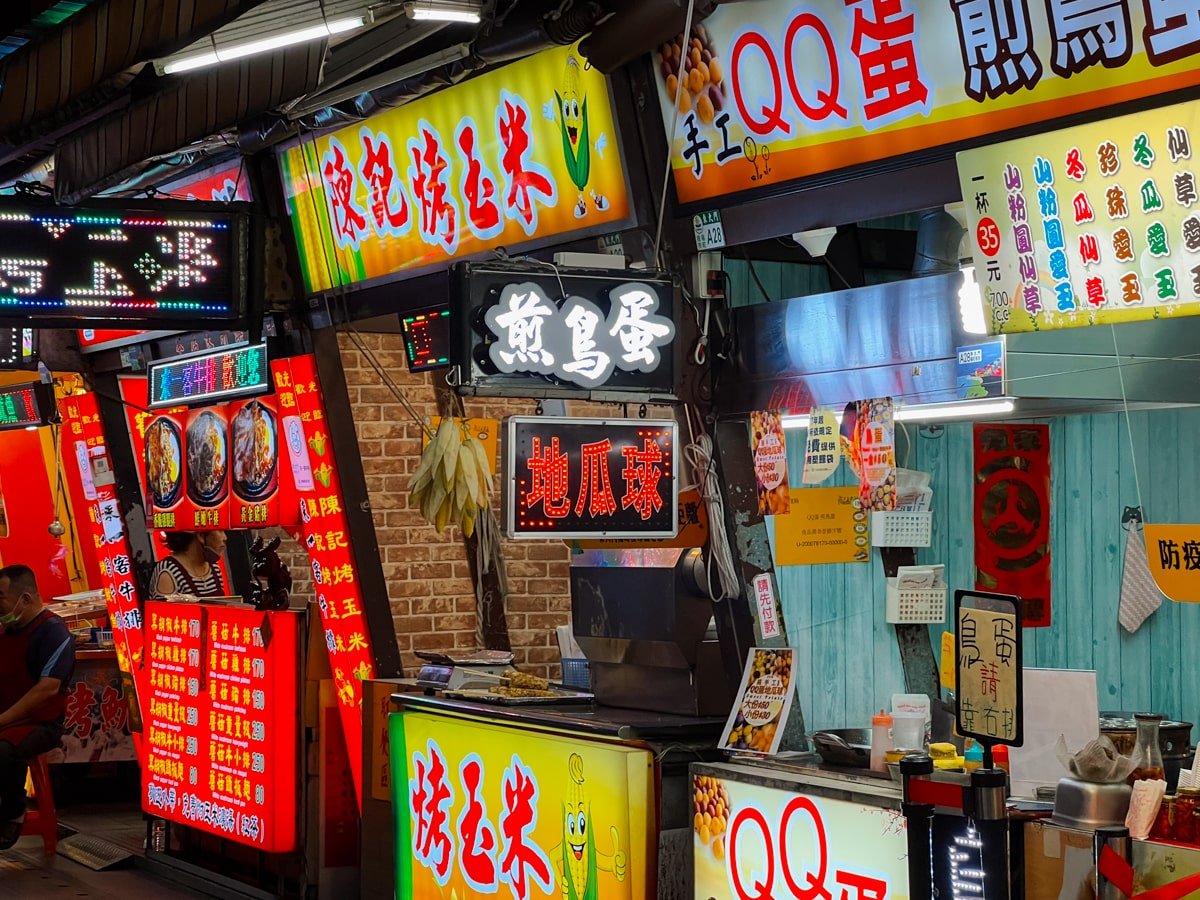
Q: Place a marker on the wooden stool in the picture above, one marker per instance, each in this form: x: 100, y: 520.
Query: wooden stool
x: 43, y: 818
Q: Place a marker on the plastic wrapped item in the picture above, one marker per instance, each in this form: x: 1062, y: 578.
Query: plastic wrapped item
x: 1098, y: 761
x: 1143, y: 807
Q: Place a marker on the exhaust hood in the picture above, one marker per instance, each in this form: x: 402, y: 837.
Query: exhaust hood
x: 901, y: 340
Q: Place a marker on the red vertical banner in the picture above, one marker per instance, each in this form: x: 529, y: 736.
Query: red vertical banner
x: 326, y: 534
x: 1012, y: 515
x: 107, y: 533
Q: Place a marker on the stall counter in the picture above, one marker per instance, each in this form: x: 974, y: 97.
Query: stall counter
x: 783, y: 829
x: 558, y: 800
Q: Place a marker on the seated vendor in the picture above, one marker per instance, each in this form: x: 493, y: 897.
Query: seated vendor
x: 192, y: 567
x: 37, y: 660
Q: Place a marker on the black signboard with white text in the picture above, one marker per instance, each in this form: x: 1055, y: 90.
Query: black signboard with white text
x: 535, y: 330
x: 108, y: 265
x: 590, y: 478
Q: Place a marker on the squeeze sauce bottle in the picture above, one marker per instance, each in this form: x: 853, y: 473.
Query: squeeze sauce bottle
x: 881, y: 740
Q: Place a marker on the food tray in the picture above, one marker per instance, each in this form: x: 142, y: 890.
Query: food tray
x: 561, y: 695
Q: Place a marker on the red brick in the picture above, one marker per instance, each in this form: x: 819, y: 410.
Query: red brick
x: 556, y: 552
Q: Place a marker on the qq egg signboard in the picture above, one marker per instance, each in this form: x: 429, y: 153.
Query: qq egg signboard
x: 107, y: 265
x: 528, y: 329
x: 571, y: 478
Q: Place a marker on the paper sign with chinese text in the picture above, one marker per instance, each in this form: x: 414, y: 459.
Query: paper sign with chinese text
x: 761, y: 841
x: 221, y: 718
x: 875, y: 437
x: 1089, y: 225
x: 768, y: 444
x: 826, y: 525
x: 482, y: 809
x: 326, y: 534
x: 1173, y: 553
x: 769, y: 613
x: 987, y: 648
x: 776, y: 91
x: 518, y: 155
x: 764, y: 700
x: 590, y: 478
x: 822, y: 447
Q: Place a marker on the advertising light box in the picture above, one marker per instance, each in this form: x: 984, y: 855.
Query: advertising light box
x: 117, y: 266
x: 590, y: 478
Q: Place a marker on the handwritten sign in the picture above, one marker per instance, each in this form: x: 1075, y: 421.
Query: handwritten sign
x: 1173, y: 553
x: 763, y: 702
x: 987, y: 647
x: 826, y: 525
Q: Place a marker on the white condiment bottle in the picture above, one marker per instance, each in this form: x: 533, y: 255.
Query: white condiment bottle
x: 881, y: 740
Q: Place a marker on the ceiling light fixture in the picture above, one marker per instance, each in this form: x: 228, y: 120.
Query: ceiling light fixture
x: 930, y: 412
x: 444, y: 10
x: 275, y: 42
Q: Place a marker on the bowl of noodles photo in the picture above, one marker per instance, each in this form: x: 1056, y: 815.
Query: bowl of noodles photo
x: 207, y: 458
x: 255, y: 452
x: 164, y: 462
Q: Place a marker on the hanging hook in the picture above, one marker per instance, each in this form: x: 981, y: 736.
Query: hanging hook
x: 1132, y: 516
x: 539, y: 410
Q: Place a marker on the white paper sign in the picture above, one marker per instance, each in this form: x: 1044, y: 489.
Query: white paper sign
x: 293, y: 431
x: 110, y: 517
x: 764, y: 596
x: 822, y: 447
x: 1056, y: 702
x: 85, y: 470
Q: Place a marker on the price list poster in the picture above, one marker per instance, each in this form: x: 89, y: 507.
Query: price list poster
x: 224, y: 698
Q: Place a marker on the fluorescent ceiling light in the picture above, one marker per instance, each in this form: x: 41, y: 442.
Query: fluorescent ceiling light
x: 929, y: 412
x: 444, y: 10
x: 275, y: 42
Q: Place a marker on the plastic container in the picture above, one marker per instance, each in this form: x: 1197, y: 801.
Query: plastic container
x: 881, y: 741
x: 908, y: 730
x: 973, y: 758
x: 1000, y: 757
x: 576, y: 673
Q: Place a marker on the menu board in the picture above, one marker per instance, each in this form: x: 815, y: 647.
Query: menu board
x: 223, y: 696
x: 214, y: 468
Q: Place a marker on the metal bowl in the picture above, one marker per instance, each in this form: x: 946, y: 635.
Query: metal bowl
x: 1085, y: 806
x: 848, y: 747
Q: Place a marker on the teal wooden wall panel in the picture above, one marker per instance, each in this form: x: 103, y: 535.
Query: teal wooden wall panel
x: 849, y: 662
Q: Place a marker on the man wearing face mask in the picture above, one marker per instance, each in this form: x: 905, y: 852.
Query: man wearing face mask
x: 37, y: 660
x: 191, y: 569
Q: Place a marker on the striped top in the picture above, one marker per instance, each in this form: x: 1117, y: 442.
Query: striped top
x: 211, y: 585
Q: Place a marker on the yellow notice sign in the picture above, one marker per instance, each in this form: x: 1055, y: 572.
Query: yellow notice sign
x: 825, y: 525
x: 946, y: 669
x: 1173, y: 552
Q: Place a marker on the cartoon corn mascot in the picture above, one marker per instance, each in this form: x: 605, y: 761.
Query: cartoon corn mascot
x: 576, y: 135
x: 580, y: 859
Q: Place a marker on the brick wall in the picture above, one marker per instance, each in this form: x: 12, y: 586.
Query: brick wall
x: 428, y: 576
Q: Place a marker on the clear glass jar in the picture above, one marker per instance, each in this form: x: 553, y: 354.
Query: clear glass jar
x: 1183, y: 828
x: 1147, y: 754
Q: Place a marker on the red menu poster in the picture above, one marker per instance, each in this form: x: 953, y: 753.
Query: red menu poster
x: 326, y: 537
x: 107, y: 532
x: 223, y: 698
x: 254, y: 451
x: 206, y: 467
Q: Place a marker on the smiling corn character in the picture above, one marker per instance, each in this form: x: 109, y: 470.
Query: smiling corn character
x: 576, y: 135
x: 580, y: 859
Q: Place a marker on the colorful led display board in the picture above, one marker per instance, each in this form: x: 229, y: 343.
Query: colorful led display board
x: 240, y: 372
x: 427, y: 339
x: 223, y: 695
x: 18, y: 348
x: 24, y: 405
x: 590, y: 478
x: 119, y: 266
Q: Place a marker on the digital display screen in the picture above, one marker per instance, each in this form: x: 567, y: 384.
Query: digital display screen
x: 21, y: 406
x: 427, y: 339
x: 114, y: 266
x: 210, y: 376
x: 590, y: 478
x: 18, y: 348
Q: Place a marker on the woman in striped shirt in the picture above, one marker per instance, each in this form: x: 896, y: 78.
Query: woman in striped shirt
x: 192, y: 568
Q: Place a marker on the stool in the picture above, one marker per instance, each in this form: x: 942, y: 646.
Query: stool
x: 42, y: 819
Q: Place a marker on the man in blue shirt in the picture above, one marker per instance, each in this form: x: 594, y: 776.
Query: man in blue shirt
x: 37, y: 660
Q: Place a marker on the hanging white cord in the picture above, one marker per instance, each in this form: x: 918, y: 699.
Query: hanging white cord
x: 1137, y: 482
x: 700, y: 455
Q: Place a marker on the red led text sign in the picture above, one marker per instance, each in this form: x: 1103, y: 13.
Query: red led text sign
x: 223, y: 700
x: 590, y: 478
